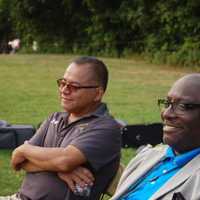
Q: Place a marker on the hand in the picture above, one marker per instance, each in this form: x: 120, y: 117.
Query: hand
x: 17, y: 158
x: 79, y: 175
x: 30, y: 167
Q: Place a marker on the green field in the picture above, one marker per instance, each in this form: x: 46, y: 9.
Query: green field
x: 28, y: 94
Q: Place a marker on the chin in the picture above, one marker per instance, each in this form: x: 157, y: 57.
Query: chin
x: 66, y: 108
x: 174, y: 144
x: 169, y: 140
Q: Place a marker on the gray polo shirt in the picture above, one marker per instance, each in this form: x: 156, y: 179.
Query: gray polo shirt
x: 96, y: 135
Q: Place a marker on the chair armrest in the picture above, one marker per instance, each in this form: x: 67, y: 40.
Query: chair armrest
x: 113, y: 185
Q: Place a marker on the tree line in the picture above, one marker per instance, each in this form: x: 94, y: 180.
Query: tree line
x: 164, y: 31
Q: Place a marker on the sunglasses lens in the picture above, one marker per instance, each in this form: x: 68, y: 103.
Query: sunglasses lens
x: 163, y: 104
x: 61, y: 83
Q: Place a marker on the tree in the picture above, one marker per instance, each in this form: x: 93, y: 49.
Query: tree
x: 5, y: 25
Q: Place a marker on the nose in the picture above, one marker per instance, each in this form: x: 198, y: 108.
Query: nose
x: 168, y: 113
x: 65, y: 89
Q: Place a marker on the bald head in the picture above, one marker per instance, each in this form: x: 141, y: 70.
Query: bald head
x: 182, y: 117
x: 189, y: 79
x: 187, y: 86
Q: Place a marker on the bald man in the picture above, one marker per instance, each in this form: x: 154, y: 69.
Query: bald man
x: 170, y: 171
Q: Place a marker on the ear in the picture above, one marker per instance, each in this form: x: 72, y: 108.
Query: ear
x: 99, y: 94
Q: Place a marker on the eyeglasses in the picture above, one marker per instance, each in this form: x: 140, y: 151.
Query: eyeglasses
x: 178, y: 108
x: 71, y: 86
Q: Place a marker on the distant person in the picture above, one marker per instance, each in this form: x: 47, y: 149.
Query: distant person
x: 35, y: 46
x: 15, y: 45
x: 83, y: 135
x: 170, y: 171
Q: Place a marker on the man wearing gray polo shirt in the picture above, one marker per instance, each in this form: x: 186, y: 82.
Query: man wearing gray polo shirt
x: 83, y: 135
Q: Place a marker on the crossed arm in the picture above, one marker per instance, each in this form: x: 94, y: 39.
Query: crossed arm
x: 48, y: 159
x: 65, y: 161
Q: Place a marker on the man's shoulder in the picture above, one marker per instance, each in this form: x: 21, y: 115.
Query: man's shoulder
x: 103, y: 115
x: 106, y: 121
x: 150, y: 149
x: 146, y: 153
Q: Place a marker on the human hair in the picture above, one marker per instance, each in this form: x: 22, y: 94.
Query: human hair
x: 99, y: 69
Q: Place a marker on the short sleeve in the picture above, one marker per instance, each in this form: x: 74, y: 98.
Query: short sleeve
x: 100, y: 143
x: 40, y: 134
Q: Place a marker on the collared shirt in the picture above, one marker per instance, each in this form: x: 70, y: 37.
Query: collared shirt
x: 159, y: 175
x: 96, y: 135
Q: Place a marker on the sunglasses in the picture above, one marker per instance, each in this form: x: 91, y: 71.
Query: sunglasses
x: 179, y: 108
x: 71, y: 87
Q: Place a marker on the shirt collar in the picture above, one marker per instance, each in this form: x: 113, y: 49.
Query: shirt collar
x: 101, y: 110
x: 181, y: 159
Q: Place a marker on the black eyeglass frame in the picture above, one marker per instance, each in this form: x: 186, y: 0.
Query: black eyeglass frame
x: 77, y: 87
x: 184, y: 106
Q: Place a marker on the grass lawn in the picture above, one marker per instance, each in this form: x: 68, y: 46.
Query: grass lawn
x: 28, y: 94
